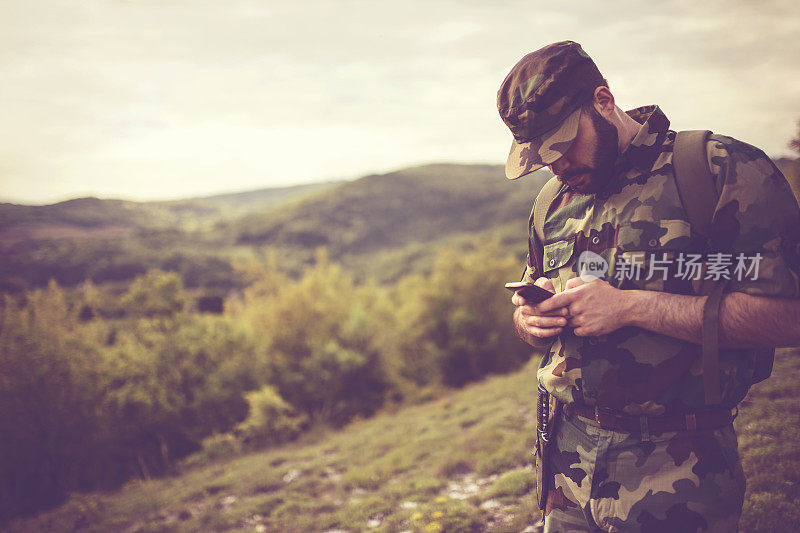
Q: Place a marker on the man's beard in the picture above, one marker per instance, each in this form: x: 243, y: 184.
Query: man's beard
x: 604, y: 159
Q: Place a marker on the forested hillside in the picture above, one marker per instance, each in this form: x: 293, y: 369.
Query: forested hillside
x: 379, y: 227
x: 384, y: 226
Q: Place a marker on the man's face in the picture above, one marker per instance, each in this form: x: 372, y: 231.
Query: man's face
x: 588, y: 165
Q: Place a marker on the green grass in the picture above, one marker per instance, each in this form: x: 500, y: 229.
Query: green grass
x: 769, y: 443
x: 457, y: 463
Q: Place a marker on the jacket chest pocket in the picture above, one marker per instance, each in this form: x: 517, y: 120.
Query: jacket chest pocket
x: 558, y: 262
x: 653, y: 255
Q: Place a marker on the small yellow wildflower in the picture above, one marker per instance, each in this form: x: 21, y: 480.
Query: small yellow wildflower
x: 438, y: 514
x: 441, y: 499
x: 434, y: 527
x: 416, y: 516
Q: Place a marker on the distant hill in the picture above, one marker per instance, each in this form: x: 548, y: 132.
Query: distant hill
x: 387, y: 225
x: 81, y: 215
x: 379, y: 226
x: 203, y: 211
x: 115, y: 240
x: 81, y: 212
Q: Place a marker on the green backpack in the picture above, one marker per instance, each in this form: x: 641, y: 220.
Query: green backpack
x: 699, y: 197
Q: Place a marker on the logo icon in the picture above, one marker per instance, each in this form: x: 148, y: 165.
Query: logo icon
x: 591, y: 266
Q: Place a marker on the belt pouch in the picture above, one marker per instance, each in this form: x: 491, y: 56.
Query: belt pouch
x: 547, y: 410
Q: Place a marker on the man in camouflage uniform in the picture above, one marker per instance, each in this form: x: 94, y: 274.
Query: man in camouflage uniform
x: 636, y: 447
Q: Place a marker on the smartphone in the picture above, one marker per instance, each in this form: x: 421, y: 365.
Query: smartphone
x: 529, y: 291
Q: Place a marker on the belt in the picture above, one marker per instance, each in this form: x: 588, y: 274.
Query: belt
x: 714, y: 418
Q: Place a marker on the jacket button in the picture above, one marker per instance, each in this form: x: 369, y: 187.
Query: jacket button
x: 595, y: 240
x: 552, y: 262
x: 653, y: 243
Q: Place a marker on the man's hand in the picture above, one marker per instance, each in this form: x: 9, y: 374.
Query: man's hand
x: 595, y: 308
x: 538, y: 324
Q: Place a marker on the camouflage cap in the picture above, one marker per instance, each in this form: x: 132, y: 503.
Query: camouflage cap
x: 540, y: 101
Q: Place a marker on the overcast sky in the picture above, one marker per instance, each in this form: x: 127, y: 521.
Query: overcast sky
x: 154, y: 99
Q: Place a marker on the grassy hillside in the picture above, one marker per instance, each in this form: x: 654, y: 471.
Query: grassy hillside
x: 458, y: 463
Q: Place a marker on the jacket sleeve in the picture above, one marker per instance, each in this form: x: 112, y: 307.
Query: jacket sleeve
x: 756, y: 220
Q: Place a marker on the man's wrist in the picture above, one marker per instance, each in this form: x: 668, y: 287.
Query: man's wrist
x: 638, y: 304
x: 528, y: 337
x: 675, y: 315
x: 541, y: 342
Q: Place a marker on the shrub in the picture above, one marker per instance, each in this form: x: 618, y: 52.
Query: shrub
x: 270, y: 420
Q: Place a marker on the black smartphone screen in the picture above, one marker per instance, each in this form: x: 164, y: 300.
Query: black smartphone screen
x: 529, y: 291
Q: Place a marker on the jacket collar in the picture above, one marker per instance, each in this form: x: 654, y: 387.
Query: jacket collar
x: 645, y: 147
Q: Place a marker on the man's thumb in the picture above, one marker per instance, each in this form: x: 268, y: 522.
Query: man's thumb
x: 546, y: 283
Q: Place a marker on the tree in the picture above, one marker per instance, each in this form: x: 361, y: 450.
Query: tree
x: 50, y: 379
x: 156, y: 293
x: 455, y: 324
x: 791, y: 168
x: 318, y: 342
x: 173, y: 382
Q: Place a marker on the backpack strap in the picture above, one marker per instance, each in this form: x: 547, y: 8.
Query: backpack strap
x: 711, y: 344
x: 693, y: 178
x: 698, y: 194
x: 542, y: 204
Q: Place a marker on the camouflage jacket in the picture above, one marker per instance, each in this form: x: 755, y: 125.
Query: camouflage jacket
x: 638, y: 225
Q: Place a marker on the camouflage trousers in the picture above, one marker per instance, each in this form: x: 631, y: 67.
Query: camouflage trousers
x: 607, y: 480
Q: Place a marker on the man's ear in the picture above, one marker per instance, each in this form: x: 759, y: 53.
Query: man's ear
x: 604, y: 101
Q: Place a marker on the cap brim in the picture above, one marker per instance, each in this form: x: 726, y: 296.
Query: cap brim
x: 528, y: 157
